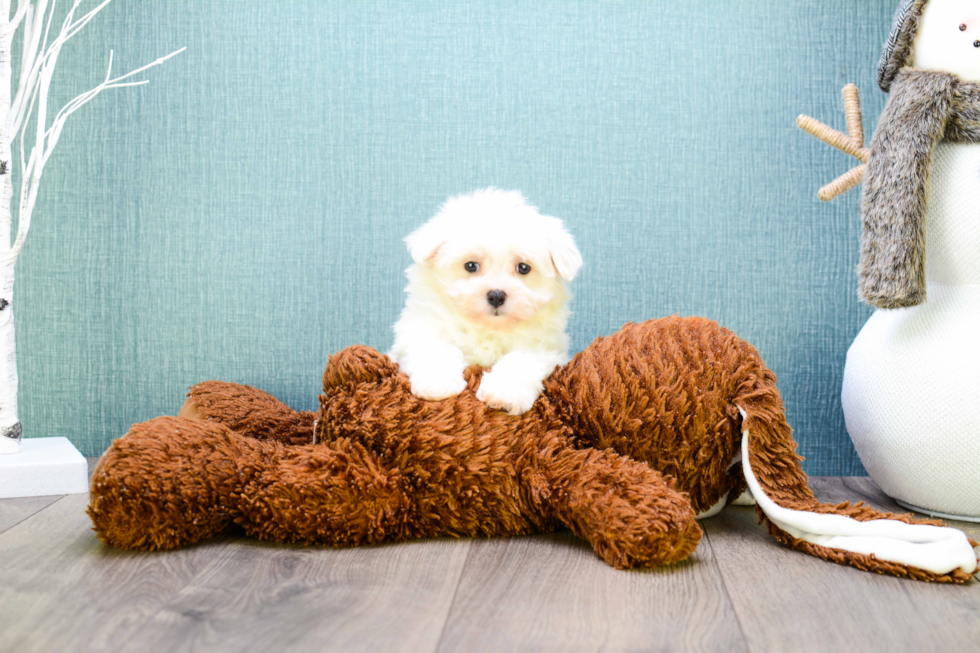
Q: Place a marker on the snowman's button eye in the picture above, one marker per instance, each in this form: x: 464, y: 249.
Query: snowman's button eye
x: 962, y: 27
x: 976, y: 44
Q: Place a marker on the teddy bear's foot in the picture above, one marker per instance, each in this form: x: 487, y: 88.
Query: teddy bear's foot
x: 248, y: 411
x: 630, y: 513
x: 169, y: 483
x: 189, y: 410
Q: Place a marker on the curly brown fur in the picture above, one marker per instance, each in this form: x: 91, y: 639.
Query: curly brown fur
x: 627, y: 442
x: 390, y: 467
x: 478, y: 471
x: 247, y: 410
x: 661, y: 392
x: 670, y: 393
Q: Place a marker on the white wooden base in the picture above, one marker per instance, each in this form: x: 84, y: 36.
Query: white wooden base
x: 45, y: 466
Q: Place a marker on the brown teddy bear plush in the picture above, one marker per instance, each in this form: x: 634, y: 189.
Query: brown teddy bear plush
x: 627, y: 444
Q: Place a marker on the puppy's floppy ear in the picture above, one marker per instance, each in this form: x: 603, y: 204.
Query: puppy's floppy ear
x: 565, y: 255
x: 424, y: 243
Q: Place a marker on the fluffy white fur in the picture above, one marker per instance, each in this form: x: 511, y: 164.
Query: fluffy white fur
x: 449, y: 323
x: 941, y: 44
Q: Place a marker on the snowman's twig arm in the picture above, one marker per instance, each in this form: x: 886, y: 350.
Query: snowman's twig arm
x: 852, y: 108
x: 831, y: 136
x: 851, y: 143
x: 844, y: 183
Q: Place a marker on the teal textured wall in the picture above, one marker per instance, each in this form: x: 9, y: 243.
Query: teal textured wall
x: 241, y: 217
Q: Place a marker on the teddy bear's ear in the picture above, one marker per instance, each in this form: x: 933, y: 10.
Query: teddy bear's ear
x: 565, y: 255
x: 424, y: 243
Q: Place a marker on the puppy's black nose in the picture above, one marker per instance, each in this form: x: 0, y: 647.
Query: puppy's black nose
x: 496, y: 298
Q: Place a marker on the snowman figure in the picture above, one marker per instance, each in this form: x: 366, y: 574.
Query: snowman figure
x: 911, y: 393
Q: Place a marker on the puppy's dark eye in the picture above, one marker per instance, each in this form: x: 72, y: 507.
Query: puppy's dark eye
x: 523, y: 268
x: 472, y: 266
x: 963, y: 27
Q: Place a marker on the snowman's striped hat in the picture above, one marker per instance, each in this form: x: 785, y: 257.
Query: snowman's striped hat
x: 898, y: 48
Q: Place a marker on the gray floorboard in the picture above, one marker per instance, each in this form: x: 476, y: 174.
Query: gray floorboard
x: 789, y: 601
x: 61, y: 590
x: 14, y: 511
x: 384, y: 598
x: 552, y: 593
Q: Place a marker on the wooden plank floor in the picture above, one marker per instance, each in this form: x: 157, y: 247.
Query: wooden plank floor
x: 61, y: 590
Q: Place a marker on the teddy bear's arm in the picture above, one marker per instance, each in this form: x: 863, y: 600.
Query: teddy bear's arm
x: 628, y: 512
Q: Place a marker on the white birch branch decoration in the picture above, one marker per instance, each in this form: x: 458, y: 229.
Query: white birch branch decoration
x: 20, y: 112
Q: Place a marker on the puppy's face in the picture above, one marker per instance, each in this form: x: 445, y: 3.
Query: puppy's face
x: 495, y: 259
x: 496, y: 286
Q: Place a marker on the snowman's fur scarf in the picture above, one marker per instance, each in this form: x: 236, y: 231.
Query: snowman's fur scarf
x: 925, y: 107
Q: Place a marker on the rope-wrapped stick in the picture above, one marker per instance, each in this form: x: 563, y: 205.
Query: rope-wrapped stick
x: 842, y: 184
x: 852, y: 107
x: 851, y: 143
x: 831, y: 136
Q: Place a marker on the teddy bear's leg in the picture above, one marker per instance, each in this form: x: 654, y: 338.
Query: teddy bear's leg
x: 248, y: 411
x: 336, y: 493
x: 169, y: 482
x: 628, y: 512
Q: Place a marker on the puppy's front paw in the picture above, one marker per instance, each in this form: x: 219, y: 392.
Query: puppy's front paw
x: 437, y: 384
x: 502, y: 390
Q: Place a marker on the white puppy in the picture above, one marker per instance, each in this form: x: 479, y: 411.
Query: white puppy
x: 488, y: 287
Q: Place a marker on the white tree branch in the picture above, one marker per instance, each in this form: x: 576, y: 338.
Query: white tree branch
x: 31, y: 101
x: 21, y: 111
x: 33, y: 64
x: 22, y: 7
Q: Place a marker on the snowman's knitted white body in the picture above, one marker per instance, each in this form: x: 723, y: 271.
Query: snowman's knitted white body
x: 912, y: 381
x: 911, y: 393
